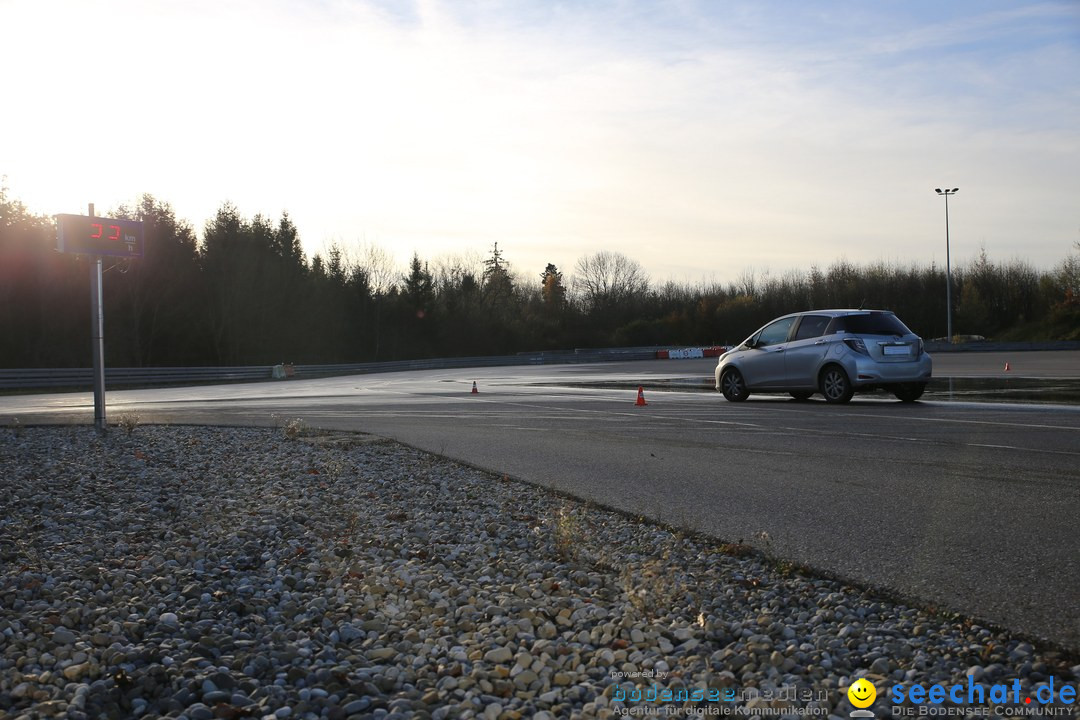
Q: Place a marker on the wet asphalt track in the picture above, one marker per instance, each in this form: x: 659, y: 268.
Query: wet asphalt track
x: 966, y: 506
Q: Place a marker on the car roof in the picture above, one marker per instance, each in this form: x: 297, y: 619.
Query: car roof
x: 836, y: 312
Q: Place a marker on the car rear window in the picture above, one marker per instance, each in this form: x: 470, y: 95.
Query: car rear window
x: 870, y: 324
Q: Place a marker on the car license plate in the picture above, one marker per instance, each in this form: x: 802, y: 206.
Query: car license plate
x: 896, y: 350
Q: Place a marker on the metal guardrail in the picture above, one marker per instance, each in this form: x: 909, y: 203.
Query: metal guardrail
x: 937, y: 346
x: 80, y: 378
x: 34, y: 378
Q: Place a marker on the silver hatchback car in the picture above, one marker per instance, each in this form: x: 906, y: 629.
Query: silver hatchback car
x: 834, y: 352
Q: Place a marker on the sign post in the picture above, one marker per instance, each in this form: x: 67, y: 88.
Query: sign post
x: 94, y: 236
x: 97, y: 339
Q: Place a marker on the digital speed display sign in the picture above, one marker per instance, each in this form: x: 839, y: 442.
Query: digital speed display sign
x: 99, y: 236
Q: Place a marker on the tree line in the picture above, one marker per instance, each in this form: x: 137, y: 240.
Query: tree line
x: 245, y: 293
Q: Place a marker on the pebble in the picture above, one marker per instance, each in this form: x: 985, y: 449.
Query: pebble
x: 499, y: 655
x: 74, y: 672
x: 338, y: 576
x: 357, y: 706
x: 199, y: 711
x: 63, y: 636
x: 382, y: 653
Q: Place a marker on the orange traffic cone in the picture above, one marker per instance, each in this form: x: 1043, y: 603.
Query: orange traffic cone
x: 474, y: 390
x: 1007, y: 368
x: 640, y: 397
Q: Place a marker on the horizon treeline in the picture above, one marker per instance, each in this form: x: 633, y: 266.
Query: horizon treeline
x: 246, y: 294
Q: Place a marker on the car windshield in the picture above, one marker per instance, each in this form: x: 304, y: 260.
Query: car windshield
x: 870, y: 324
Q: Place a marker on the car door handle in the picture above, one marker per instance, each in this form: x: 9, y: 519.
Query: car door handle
x: 820, y: 342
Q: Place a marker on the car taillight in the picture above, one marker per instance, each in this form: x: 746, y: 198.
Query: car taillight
x: 856, y: 344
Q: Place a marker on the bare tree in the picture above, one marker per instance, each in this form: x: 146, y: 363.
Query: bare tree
x: 379, y: 266
x: 609, y: 279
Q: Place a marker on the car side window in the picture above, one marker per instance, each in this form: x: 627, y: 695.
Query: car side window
x: 775, y: 333
x: 812, y: 326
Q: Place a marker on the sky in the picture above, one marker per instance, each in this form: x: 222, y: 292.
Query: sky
x: 702, y: 138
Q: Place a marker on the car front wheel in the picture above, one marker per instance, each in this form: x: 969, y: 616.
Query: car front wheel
x: 835, y: 385
x: 733, y: 386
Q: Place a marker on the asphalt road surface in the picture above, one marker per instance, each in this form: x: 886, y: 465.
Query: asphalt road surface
x: 966, y: 506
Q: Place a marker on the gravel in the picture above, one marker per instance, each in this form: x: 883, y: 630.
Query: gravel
x: 228, y: 572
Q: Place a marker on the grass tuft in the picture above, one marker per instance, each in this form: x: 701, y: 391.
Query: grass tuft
x: 567, y: 533
x: 128, y: 422
x: 295, y: 428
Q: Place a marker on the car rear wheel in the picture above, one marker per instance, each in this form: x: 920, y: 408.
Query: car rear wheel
x: 802, y: 394
x: 733, y: 386
x: 909, y: 392
x: 835, y: 385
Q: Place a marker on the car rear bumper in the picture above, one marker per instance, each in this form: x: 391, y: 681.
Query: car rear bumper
x: 871, y: 372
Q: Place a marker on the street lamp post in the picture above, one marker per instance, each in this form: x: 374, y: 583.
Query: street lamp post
x: 948, y: 266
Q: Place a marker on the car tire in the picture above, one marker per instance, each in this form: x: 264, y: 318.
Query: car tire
x: 835, y: 385
x: 909, y: 392
x: 801, y: 395
x: 733, y: 386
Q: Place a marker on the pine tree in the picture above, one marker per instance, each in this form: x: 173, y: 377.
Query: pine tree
x: 498, y: 285
x: 552, y: 288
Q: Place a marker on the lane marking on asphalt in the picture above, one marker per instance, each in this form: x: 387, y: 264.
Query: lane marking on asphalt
x: 502, y: 426
x: 797, y: 430
x: 1032, y: 450
x: 965, y: 422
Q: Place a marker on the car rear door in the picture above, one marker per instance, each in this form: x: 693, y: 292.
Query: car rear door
x: 806, y: 351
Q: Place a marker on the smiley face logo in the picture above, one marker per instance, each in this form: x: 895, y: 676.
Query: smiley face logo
x: 862, y: 693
